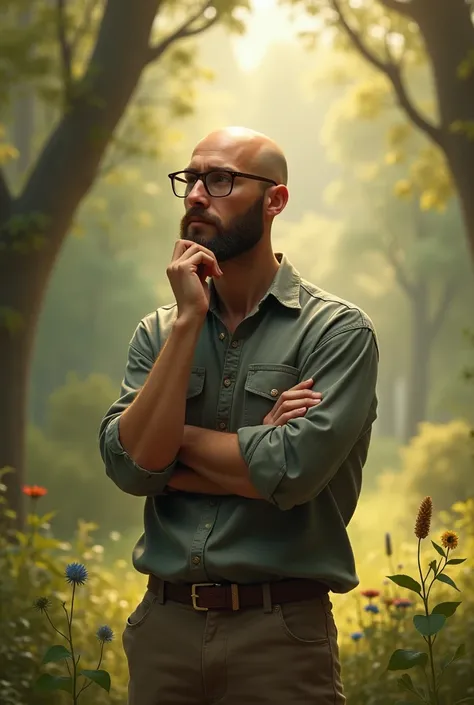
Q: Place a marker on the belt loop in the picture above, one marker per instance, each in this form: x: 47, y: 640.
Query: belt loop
x: 267, y: 598
x: 161, y: 592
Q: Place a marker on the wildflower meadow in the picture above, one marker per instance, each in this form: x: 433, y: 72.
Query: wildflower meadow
x: 408, y: 637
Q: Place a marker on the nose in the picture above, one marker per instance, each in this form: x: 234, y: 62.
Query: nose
x: 198, y: 195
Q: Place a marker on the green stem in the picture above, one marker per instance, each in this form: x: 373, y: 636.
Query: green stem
x: 86, y: 685
x: 428, y: 639
x: 71, y: 645
x: 55, y: 628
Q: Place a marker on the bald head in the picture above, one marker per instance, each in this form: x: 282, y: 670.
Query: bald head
x: 252, y: 151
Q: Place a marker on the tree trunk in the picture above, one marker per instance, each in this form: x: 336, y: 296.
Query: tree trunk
x: 448, y: 33
x: 418, y: 375
x: 33, y: 226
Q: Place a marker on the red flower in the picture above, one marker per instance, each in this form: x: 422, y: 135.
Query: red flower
x: 34, y: 491
x: 370, y: 593
x: 388, y: 601
x: 402, y: 603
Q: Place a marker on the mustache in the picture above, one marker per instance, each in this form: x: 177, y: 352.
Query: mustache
x: 202, y: 215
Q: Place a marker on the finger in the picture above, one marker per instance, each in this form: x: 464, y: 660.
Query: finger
x: 201, y: 258
x: 291, y: 404
x: 294, y: 394
x: 295, y: 414
x: 194, y: 249
x: 179, y: 248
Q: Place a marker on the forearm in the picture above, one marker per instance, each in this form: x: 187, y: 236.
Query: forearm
x: 151, y: 428
x: 187, y: 480
x: 216, y: 457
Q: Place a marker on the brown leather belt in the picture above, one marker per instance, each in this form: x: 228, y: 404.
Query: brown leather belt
x: 212, y: 596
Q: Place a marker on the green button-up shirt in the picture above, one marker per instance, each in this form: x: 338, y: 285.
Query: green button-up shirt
x: 308, y: 471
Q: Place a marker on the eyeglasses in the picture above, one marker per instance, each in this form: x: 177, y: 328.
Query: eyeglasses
x: 217, y: 182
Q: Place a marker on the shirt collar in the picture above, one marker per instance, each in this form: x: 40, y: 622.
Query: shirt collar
x: 285, y: 287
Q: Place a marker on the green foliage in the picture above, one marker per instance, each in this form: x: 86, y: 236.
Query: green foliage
x: 384, y: 641
x: 429, y: 624
x: 76, y: 576
x: 34, y: 564
x: 64, y: 456
x: 429, y: 457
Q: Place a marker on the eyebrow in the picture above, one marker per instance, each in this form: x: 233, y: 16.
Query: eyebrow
x: 221, y: 167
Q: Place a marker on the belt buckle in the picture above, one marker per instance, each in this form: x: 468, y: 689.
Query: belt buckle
x: 195, y: 595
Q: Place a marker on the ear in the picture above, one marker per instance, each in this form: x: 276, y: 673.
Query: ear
x: 276, y: 199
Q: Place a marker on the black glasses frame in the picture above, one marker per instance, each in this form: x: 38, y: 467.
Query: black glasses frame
x: 202, y: 175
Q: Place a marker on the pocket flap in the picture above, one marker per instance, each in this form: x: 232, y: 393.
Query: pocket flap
x: 196, y: 382
x: 270, y: 381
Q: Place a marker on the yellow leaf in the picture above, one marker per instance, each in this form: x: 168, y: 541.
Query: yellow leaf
x: 403, y: 189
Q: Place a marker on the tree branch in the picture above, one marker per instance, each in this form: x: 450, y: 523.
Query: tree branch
x: 185, y: 30
x: 405, y: 7
x: 400, y: 274
x: 5, y: 197
x: 65, y: 49
x: 392, y: 70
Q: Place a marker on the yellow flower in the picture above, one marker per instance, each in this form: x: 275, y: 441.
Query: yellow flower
x: 423, y: 520
x: 449, y: 539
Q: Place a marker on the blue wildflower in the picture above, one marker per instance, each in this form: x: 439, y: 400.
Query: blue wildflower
x: 372, y: 608
x: 76, y: 573
x: 355, y: 636
x: 42, y: 604
x: 104, y: 633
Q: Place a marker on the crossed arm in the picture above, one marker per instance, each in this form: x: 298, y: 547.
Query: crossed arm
x: 204, y: 454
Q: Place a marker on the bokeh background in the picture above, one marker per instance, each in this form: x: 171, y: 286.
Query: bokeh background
x: 360, y: 97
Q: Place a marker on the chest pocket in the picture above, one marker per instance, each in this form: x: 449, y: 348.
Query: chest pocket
x: 263, y: 387
x: 194, y: 396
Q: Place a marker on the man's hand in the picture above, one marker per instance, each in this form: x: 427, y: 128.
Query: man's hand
x: 187, y: 272
x: 293, y: 403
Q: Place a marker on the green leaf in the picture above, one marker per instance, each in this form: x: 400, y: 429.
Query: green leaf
x: 406, y: 582
x: 405, y: 682
x: 429, y: 626
x: 102, y: 678
x: 439, y: 549
x: 446, y: 579
x: 446, y: 608
x: 47, y: 682
x: 56, y: 653
x: 448, y: 660
x: 456, y: 561
x: 434, y: 566
x: 402, y: 659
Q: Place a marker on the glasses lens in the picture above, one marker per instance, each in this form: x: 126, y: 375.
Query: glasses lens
x: 219, y: 183
x: 183, y: 183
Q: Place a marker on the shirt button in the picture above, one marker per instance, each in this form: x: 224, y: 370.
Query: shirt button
x: 274, y: 392
x: 196, y: 560
x: 235, y: 343
x: 221, y: 336
x: 223, y: 425
x: 207, y: 526
x: 227, y: 382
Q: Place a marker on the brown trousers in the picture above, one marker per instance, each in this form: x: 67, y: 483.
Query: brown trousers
x: 273, y: 655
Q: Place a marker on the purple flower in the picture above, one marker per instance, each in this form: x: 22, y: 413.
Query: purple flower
x: 372, y: 608
x: 402, y: 603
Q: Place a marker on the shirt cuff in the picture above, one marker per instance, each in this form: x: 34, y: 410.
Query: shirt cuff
x: 126, y: 473
x: 261, y: 448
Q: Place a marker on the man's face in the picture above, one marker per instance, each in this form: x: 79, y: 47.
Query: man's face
x: 240, y: 233
x: 227, y: 226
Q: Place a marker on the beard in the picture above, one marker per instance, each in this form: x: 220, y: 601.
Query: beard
x: 241, y: 234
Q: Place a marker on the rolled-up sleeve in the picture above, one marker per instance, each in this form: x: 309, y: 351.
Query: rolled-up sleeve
x: 291, y: 464
x: 119, y: 466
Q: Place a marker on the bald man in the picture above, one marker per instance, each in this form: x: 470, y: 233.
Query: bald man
x: 244, y: 418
